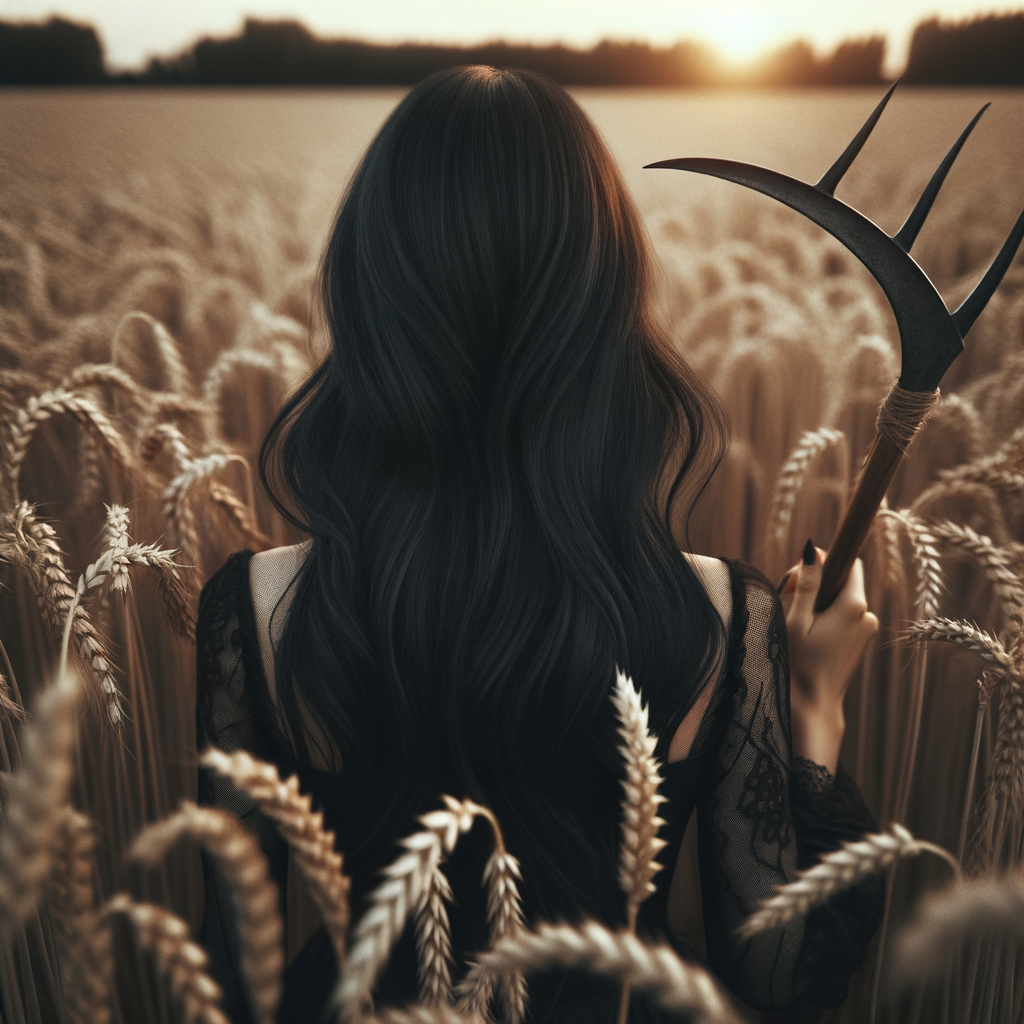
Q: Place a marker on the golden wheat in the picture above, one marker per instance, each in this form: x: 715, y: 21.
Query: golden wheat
x: 399, y: 894
x: 303, y: 829
x: 434, y: 941
x: 183, y: 962
x: 242, y: 861
x: 836, y: 871
x: 35, y: 803
x: 678, y: 986
x: 86, y: 946
x: 964, y: 635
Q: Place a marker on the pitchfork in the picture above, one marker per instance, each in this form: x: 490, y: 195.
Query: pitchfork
x: 930, y: 336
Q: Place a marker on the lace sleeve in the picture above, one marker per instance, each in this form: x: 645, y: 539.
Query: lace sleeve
x: 763, y: 818
x: 230, y: 712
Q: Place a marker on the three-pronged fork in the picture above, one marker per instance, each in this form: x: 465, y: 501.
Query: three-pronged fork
x: 930, y: 336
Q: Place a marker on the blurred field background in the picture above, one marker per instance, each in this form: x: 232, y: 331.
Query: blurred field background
x: 204, y: 213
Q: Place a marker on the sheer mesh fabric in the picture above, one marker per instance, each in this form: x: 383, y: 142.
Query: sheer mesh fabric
x: 762, y: 817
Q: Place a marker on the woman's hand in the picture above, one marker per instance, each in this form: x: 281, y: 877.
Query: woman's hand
x: 824, y: 649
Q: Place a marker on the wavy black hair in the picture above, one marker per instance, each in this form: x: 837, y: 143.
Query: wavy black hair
x: 491, y: 460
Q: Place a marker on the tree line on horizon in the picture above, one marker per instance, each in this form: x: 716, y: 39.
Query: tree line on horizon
x: 987, y: 50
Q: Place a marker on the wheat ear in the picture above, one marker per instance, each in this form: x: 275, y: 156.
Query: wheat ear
x: 640, y: 843
x: 37, y: 795
x: 434, y: 942
x: 504, y: 917
x: 951, y: 921
x: 1004, y: 790
x: 57, y: 403
x: 179, y: 496
x: 165, y: 935
x: 678, y: 986
x: 790, y: 480
x: 836, y: 871
x: 963, y: 634
x: 399, y: 894
x: 108, y: 376
x: 86, y: 947
x: 312, y: 845
x: 240, y: 516
x: 240, y: 857
x: 1006, y: 583
x: 32, y: 544
x: 423, y: 1013
x: 929, y: 568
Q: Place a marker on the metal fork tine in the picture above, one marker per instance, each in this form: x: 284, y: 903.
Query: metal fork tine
x: 907, y: 235
x: 831, y: 178
x: 972, y: 306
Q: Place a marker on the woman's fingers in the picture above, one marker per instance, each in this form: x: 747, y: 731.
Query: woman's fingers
x: 805, y: 590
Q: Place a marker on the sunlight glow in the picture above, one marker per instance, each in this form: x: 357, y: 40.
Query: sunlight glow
x: 738, y: 29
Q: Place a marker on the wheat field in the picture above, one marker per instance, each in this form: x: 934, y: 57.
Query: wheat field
x: 157, y: 264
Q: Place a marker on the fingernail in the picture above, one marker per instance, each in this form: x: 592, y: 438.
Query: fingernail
x: 782, y: 586
x: 810, y: 555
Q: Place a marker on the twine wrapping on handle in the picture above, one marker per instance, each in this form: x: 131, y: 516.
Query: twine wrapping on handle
x: 902, y: 414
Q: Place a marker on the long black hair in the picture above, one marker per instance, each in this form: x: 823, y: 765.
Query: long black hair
x: 491, y: 460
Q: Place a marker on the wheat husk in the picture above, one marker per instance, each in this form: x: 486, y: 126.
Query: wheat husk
x: 59, y: 402
x: 946, y: 924
x: 965, y: 635
x: 837, y: 871
x: 183, y: 963
x: 434, y: 942
x: 84, y: 940
x: 35, y: 801
x: 303, y: 829
x: 33, y: 545
x: 678, y: 986
x: 401, y: 892
x: 790, y: 480
x: 245, y: 867
x: 1006, y: 583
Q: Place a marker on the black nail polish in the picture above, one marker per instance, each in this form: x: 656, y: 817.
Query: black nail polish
x: 810, y: 555
x: 782, y: 586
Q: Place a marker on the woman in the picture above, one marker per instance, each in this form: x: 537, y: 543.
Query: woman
x: 491, y: 462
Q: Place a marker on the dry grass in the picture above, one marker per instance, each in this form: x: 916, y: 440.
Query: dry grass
x: 152, y: 318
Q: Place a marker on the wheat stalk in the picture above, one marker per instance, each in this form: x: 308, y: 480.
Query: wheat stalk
x: 108, y: 376
x: 400, y: 893
x: 929, y: 568
x: 85, y: 943
x: 55, y: 403
x: 640, y: 843
x: 34, y: 806
x: 1006, y: 584
x: 964, y: 635
x: 434, y: 941
x: 242, y: 861
x: 303, y: 829
x: 166, y: 437
x: 790, y: 480
x: 183, y: 962
x: 836, y: 871
x: 679, y: 987
x: 32, y: 544
x: 166, y: 346
x: 950, y: 922
x: 504, y: 917
x: 240, y: 516
x: 640, y: 825
x: 423, y: 1013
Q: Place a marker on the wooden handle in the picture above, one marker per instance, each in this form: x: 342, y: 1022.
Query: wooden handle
x: 882, y: 462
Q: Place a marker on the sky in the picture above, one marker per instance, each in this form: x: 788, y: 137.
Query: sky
x: 133, y: 30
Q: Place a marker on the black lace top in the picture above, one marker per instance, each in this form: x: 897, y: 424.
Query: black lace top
x: 762, y: 816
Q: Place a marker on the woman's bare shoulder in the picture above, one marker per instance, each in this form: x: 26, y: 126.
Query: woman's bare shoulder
x: 714, y: 575
x: 270, y: 577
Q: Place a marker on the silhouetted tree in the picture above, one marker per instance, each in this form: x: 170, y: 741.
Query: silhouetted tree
x: 56, y: 53
x: 982, y: 51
